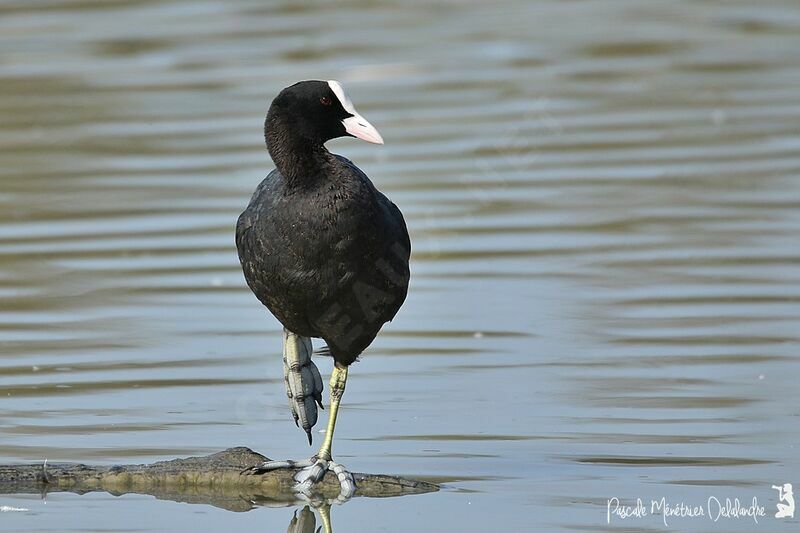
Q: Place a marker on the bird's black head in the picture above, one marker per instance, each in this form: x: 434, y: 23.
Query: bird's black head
x: 314, y: 112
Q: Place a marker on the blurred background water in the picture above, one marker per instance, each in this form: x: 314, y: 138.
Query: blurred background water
x: 604, y: 204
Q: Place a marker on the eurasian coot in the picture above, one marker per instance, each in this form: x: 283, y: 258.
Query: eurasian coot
x: 324, y: 250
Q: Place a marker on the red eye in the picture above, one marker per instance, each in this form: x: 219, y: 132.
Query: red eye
x: 325, y: 100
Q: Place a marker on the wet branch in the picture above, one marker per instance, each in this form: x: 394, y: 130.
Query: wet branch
x: 213, y: 479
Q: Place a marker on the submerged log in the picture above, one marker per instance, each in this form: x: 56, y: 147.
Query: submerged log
x: 215, y: 479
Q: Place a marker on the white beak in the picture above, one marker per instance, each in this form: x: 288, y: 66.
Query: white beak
x: 357, y: 126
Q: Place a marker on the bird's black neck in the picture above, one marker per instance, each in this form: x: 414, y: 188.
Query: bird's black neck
x: 301, y: 160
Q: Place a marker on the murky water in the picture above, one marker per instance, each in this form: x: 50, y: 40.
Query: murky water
x: 604, y: 202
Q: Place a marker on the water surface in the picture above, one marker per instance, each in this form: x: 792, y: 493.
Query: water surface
x: 604, y: 204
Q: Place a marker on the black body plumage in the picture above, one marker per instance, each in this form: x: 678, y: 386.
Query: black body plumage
x: 319, y: 245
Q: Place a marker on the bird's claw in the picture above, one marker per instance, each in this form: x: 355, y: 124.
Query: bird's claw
x: 309, y: 475
x: 310, y: 472
x: 347, y: 482
x: 303, y: 381
x: 268, y: 466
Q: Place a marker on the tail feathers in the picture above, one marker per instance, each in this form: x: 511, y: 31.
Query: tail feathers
x: 325, y: 351
x: 303, y: 381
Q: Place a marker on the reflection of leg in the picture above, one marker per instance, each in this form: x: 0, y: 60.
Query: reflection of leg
x: 325, y: 516
x: 305, y: 523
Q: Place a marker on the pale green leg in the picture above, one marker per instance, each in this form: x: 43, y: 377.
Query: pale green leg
x: 324, y: 461
x: 338, y: 383
x: 325, y: 517
x: 313, y: 470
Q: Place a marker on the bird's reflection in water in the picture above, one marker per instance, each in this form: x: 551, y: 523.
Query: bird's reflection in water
x: 305, y: 521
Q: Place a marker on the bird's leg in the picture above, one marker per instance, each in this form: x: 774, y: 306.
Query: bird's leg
x: 303, y: 388
x: 303, y: 382
x: 323, y: 461
x: 313, y: 469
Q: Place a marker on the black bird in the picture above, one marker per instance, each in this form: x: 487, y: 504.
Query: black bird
x: 324, y: 250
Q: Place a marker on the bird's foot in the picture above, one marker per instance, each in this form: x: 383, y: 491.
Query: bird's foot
x: 309, y: 475
x: 268, y: 466
x: 311, y: 471
x: 303, y: 381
